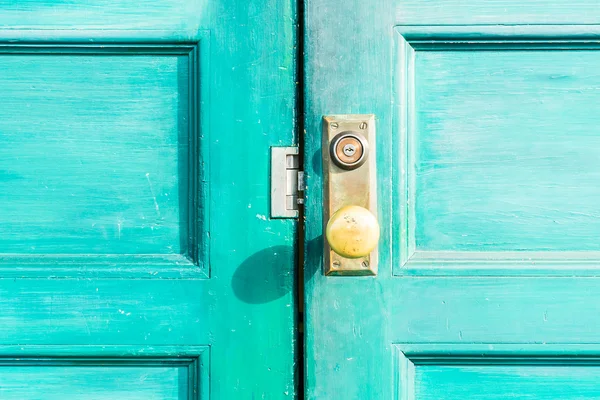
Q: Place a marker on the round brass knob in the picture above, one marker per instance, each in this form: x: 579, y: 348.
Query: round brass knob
x: 352, y: 232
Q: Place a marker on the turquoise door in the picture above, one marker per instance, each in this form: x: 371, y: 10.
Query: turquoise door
x: 488, y: 171
x: 138, y: 259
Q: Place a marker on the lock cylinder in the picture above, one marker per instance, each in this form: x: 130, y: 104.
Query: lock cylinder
x: 349, y: 150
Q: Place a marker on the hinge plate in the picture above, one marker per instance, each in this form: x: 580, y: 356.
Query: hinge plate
x: 287, y: 182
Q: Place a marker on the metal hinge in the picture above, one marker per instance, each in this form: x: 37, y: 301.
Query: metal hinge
x: 287, y: 182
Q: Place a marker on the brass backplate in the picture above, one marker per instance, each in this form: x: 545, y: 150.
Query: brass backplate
x: 344, y: 187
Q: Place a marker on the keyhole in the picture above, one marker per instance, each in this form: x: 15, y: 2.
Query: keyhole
x: 349, y: 150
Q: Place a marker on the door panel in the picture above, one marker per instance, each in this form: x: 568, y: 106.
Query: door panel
x: 134, y: 377
x: 497, y: 131
x: 486, y: 160
x: 428, y: 375
x: 103, y: 166
x: 137, y: 255
x: 90, y: 126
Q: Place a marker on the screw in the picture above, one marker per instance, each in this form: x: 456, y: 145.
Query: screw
x: 365, y: 264
x: 334, y: 125
x: 363, y: 125
x: 349, y: 150
x: 337, y: 263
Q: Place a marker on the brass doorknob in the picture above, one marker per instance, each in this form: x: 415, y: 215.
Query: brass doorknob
x: 352, y: 232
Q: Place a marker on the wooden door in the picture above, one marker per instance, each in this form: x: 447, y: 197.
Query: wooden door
x: 138, y: 259
x: 488, y: 199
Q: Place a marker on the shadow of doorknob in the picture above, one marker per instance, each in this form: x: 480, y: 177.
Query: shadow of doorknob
x: 352, y: 232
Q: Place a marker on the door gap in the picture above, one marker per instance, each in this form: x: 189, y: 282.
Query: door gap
x: 300, y: 133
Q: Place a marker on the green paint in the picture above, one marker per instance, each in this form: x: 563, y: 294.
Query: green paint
x: 52, y: 372
x: 488, y: 200
x: 134, y: 172
x: 441, y: 372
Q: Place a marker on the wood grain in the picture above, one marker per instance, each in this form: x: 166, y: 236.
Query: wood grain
x: 520, y: 123
x: 97, y: 161
x: 114, y: 112
x: 487, y: 143
x: 128, y: 372
x: 495, y: 372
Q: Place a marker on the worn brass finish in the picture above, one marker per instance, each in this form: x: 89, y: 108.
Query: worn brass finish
x: 352, y: 232
x: 352, y: 192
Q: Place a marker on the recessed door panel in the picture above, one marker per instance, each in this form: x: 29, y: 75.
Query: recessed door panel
x: 97, y: 162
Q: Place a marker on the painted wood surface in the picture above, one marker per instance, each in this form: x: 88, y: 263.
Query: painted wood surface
x: 541, y: 372
x: 521, y: 124
x: 96, y: 382
x: 53, y: 372
x: 94, y: 135
x: 487, y: 152
x: 134, y: 174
